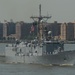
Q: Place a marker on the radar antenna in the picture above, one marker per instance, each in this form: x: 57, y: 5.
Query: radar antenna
x: 40, y: 17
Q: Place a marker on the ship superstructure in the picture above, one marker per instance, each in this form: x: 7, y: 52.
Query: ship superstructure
x: 40, y: 25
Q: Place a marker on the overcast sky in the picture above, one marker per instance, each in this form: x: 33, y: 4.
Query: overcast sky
x: 21, y: 10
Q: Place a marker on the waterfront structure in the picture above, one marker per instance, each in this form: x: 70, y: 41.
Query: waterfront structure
x: 74, y: 30
x: 9, y: 30
x: 70, y: 31
x: 21, y: 30
x: 63, y: 31
x: 18, y: 30
x: 5, y: 30
x: 67, y: 31
x: 1, y: 30
x: 25, y: 30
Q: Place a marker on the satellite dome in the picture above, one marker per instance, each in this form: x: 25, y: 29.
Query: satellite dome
x: 41, y: 21
x: 49, y: 32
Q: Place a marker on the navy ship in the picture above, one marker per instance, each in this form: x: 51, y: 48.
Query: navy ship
x: 47, y: 52
x: 42, y: 50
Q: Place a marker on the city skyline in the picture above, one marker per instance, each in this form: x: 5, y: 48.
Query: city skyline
x: 22, y: 10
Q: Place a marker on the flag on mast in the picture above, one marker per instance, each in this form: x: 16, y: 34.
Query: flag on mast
x: 32, y: 29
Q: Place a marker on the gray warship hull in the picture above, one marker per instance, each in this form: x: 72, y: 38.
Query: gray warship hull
x: 61, y: 58
x: 65, y: 57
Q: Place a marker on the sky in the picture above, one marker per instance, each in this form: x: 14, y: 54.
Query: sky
x: 22, y: 10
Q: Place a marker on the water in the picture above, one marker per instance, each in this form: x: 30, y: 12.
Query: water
x: 25, y: 69
x: 30, y: 69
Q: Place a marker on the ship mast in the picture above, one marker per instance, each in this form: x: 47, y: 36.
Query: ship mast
x: 40, y: 23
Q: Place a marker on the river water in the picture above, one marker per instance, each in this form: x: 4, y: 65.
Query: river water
x: 30, y: 69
